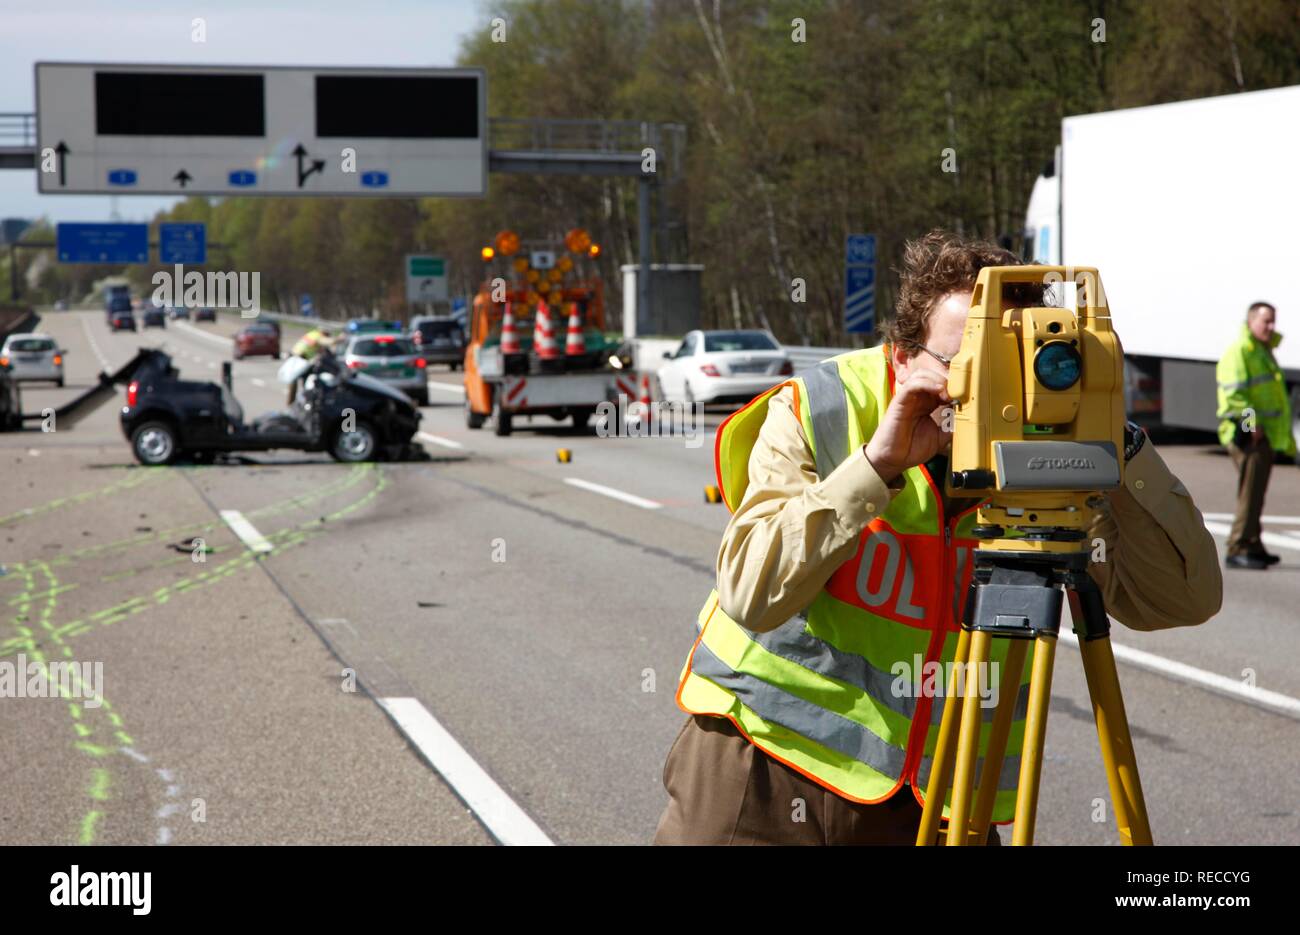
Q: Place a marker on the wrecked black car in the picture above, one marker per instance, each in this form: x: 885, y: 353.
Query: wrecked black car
x: 349, y: 415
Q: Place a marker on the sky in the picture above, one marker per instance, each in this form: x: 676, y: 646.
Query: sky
x: 238, y: 32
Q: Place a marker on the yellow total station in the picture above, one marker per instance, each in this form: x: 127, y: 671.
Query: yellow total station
x: 1038, y: 407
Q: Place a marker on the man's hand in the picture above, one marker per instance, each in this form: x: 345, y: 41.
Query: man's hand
x: 907, y: 435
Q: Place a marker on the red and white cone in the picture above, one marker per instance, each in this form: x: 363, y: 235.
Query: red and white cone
x: 509, y: 336
x: 645, y: 403
x: 574, y: 343
x: 544, y: 345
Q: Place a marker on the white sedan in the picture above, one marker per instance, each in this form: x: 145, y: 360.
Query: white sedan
x: 723, y: 367
x: 32, y: 357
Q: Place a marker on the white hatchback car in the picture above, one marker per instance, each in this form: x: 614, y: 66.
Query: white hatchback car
x: 33, y: 357
x: 723, y: 367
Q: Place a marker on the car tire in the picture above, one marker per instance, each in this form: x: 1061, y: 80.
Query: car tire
x: 358, y: 445
x: 154, y: 443
x: 502, y: 422
x: 60, y: 382
x: 473, y: 420
x: 422, y: 397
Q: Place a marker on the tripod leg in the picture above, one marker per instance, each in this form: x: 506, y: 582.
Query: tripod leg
x: 1113, y: 734
x: 1008, y: 694
x: 1031, y: 754
x: 944, y: 748
x: 968, y: 740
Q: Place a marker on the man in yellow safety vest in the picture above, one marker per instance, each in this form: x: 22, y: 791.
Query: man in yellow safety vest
x: 813, y: 690
x: 1255, y: 420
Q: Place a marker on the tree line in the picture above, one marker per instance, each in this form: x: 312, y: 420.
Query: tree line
x: 803, y: 121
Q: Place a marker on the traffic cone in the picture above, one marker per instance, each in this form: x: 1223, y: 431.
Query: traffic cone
x: 544, y: 334
x: 646, y: 415
x: 574, y: 343
x: 509, y: 336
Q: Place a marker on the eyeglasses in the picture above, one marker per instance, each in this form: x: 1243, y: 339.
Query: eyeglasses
x: 946, y: 361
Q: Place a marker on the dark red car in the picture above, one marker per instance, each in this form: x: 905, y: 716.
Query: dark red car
x: 258, y: 338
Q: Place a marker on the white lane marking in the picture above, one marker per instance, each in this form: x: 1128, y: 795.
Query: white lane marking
x: 219, y: 339
x: 1253, y: 694
x: 257, y: 382
x: 93, y: 346
x: 1266, y: 518
x: 245, y: 531
x: 1270, y: 538
x: 211, y: 365
x: 616, y: 494
x: 446, y: 387
x: 438, y: 440
x: 507, y: 822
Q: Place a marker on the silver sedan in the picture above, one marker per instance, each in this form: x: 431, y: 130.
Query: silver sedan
x: 32, y: 357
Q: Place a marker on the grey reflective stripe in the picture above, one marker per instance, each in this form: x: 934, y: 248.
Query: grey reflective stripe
x: 829, y: 410
x: 1242, y: 384
x: 804, y: 718
x: 1008, y: 778
x: 792, y: 642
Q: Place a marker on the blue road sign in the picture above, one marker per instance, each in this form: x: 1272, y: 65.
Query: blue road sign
x: 121, y: 177
x: 374, y: 179
x: 182, y: 243
x: 242, y: 178
x: 860, y: 250
x: 860, y: 284
x: 859, y: 299
x: 103, y: 243
x: 305, y: 307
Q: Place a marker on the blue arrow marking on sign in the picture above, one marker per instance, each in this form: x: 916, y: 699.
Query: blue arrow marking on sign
x: 374, y: 179
x: 243, y: 178
x: 121, y: 177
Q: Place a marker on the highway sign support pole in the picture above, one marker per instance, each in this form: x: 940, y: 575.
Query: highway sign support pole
x: 643, y: 238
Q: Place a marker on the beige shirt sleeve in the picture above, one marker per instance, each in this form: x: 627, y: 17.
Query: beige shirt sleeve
x: 791, y: 530
x: 1161, y: 568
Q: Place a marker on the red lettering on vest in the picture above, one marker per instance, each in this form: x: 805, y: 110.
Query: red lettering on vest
x: 901, y: 576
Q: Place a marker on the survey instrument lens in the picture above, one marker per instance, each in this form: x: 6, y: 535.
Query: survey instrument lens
x: 1058, y: 365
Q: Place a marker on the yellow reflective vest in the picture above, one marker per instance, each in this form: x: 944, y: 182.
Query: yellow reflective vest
x: 849, y: 693
x: 1250, y: 379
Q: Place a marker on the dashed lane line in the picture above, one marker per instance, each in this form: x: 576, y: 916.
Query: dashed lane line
x: 503, y: 818
x: 612, y: 492
x: 438, y: 440
x: 246, y: 531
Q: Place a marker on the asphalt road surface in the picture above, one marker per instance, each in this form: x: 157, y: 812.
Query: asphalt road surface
x: 517, y: 621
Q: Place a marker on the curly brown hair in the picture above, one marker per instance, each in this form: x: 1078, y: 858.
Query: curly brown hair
x: 934, y: 266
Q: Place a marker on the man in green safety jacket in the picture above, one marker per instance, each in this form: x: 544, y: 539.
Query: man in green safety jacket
x: 1255, y: 420
x: 814, y: 687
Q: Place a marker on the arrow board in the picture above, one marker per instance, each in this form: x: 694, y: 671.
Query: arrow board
x: 228, y: 130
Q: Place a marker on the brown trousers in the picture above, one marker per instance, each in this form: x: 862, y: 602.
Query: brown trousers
x: 1253, y: 469
x: 724, y: 790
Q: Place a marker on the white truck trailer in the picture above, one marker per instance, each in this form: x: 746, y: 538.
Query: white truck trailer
x: 1191, y: 212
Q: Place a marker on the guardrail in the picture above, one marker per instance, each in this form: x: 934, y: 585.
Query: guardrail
x: 805, y: 357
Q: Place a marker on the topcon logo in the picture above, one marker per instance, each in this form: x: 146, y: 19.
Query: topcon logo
x: 1058, y: 464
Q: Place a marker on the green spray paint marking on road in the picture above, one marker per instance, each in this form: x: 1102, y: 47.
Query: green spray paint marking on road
x: 137, y: 477
x: 100, y: 777
x: 349, y: 480
x: 88, y: 827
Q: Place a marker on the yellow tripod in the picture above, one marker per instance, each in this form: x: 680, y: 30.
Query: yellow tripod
x: 1015, y: 595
